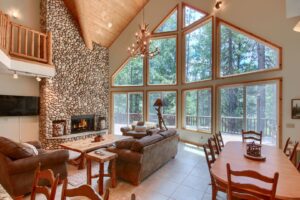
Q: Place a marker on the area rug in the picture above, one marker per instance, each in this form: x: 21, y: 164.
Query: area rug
x: 79, y: 177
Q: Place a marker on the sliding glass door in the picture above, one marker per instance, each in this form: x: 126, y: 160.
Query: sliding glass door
x: 127, y: 108
x: 252, y: 106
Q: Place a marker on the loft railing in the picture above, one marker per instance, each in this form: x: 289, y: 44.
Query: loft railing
x: 24, y: 42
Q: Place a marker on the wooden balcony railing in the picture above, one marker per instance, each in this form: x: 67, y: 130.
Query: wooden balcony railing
x: 24, y: 42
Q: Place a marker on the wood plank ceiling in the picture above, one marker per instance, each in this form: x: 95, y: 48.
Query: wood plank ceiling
x: 102, y: 21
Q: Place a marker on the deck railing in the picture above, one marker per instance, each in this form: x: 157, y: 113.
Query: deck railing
x: 24, y: 42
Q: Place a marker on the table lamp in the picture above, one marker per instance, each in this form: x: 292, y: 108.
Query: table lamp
x: 157, y: 105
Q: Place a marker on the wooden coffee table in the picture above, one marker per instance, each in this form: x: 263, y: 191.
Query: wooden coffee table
x: 101, y: 156
x: 87, y: 145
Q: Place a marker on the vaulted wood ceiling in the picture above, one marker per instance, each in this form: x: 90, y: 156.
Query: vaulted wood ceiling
x: 102, y: 21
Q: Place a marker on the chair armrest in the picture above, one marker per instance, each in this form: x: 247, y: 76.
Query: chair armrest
x: 31, y: 163
x: 37, y: 144
x: 125, y: 129
x: 127, y: 155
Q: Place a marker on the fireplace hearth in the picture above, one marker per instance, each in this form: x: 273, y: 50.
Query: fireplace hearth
x: 82, y: 123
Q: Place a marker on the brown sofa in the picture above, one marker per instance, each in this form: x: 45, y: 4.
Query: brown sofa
x: 17, y: 166
x: 139, y: 158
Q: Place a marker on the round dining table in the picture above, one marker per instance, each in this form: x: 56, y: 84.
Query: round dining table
x: 276, y: 161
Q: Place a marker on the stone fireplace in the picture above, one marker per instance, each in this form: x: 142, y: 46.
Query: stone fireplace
x: 80, y: 89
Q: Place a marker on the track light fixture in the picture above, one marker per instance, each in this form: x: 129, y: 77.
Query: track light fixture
x: 218, y: 4
x: 15, y: 76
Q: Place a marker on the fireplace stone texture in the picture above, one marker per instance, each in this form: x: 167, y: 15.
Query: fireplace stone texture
x: 81, y: 83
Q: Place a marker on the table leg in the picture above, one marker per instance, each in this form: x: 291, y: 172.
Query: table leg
x: 113, y: 173
x: 82, y: 162
x: 89, y: 172
x: 101, y: 176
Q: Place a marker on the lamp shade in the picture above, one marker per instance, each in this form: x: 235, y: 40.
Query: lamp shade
x: 158, y: 103
x: 297, y: 27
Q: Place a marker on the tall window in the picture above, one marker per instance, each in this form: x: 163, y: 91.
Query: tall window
x: 169, y: 24
x: 127, y: 108
x: 250, y: 107
x: 168, y: 110
x: 241, y: 53
x: 198, y: 53
x: 131, y: 74
x: 198, y: 109
x: 162, y: 68
x: 191, y: 15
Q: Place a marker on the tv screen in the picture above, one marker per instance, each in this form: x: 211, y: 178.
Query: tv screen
x: 19, y: 105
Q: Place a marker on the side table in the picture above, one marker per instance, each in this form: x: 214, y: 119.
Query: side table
x: 101, y: 156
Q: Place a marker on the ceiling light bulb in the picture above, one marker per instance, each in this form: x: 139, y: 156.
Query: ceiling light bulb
x: 218, y: 4
x: 15, y: 76
x: 297, y: 27
x: 109, y: 25
x: 38, y: 79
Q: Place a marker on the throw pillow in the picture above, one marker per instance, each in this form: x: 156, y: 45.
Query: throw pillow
x: 14, y: 150
x: 35, y: 151
x: 150, y: 125
x: 140, y: 129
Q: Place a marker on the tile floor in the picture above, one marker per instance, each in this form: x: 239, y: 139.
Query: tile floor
x: 184, y: 178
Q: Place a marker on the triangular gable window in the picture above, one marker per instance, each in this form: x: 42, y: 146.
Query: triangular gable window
x: 191, y: 15
x: 169, y: 23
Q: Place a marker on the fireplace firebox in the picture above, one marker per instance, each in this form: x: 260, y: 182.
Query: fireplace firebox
x: 82, y: 123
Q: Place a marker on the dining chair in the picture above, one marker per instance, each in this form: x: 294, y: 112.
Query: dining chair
x: 247, y: 190
x: 83, y: 191
x: 133, y: 197
x: 212, y: 143
x: 45, y: 175
x: 252, y: 135
x: 293, y: 153
x: 210, y: 159
x: 285, y: 150
x: 219, y: 140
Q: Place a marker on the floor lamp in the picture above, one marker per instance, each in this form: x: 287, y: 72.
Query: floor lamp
x: 157, y: 105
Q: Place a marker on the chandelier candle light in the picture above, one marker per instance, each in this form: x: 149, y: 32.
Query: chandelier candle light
x: 141, y: 46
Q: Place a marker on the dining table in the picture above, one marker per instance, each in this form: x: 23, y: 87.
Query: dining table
x: 288, y: 186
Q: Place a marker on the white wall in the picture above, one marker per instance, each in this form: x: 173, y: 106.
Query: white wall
x: 27, y: 11
x: 265, y: 18
x: 20, y: 128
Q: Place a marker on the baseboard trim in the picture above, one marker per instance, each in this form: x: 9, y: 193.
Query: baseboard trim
x: 193, y: 143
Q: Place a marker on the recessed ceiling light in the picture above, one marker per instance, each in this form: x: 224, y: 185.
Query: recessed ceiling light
x: 297, y: 27
x: 109, y: 25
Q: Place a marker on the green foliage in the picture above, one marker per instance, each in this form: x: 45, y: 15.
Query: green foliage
x: 162, y: 68
x: 131, y: 74
x: 170, y: 24
x: 242, y: 54
x: 198, y: 61
x: 191, y: 15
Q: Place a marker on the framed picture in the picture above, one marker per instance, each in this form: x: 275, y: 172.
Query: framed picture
x: 295, y: 108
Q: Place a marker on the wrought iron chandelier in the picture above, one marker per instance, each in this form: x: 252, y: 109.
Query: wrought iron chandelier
x: 142, y: 45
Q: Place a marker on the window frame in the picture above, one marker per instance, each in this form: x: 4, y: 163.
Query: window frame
x: 219, y: 22
x: 113, y: 76
x: 197, y: 25
x: 127, y: 92
x: 176, y: 8
x: 157, y: 37
x: 277, y: 80
x: 161, y: 91
x: 183, y: 103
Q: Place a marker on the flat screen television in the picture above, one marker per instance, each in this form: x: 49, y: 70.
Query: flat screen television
x: 19, y: 105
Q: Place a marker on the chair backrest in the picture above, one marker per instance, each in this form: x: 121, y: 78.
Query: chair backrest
x: 83, y: 191
x: 294, y: 151
x: 252, y: 135
x: 219, y: 139
x: 210, y: 155
x: 286, y: 146
x: 212, y: 143
x: 298, y: 167
x: 133, y: 197
x: 47, y: 175
x: 249, y: 190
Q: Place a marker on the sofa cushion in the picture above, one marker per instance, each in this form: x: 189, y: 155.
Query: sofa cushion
x: 168, y: 133
x: 125, y: 144
x: 34, y: 149
x: 140, y: 129
x: 14, y: 150
x: 136, y: 135
x: 138, y: 145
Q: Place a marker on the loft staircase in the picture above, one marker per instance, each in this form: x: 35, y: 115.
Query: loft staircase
x: 24, y: 50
